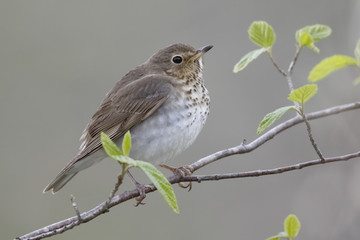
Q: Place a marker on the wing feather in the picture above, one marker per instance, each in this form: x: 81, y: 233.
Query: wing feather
x: 125, y: 108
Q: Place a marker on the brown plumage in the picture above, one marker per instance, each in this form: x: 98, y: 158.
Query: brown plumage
x: 157, y: 99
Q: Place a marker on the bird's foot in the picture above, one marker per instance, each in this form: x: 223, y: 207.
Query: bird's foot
x: 141, y: 188
x: 183, y: 172
x: 142, y: 193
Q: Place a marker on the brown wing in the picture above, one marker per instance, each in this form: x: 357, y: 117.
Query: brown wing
x: 123, y: 109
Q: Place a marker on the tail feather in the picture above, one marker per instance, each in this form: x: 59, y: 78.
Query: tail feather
x: 59, y: 181
x: 72, y: 168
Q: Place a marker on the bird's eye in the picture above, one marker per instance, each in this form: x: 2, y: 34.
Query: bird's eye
x: 177, y: 59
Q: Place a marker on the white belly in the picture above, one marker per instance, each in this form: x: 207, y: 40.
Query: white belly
x: 169, y: 131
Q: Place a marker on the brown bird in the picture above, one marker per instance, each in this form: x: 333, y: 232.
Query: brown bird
x: 163, y: 102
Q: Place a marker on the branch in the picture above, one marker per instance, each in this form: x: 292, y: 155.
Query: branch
x: 292, y: 64
x: 257, y: 173
x: 104, y: 207
x: 312, y: 140
x: 245, y: 148
x: 280, y: 70
x: 288, y: 76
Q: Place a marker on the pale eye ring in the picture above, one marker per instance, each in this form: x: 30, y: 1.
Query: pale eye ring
x: 177, y: 59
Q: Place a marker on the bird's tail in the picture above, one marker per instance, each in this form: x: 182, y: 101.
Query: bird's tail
x: 78, y: 164
x: 61, y: 179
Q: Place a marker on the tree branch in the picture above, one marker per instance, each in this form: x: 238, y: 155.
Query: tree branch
x: 292, y: 64
x: 280, y: 70
x: 257, y: 173
x: 312, y: 140
x: 245, y: 148
x: 288, y: 76
x: 69, y: 223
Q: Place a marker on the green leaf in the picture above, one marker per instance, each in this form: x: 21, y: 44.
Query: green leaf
x: 357, y: 81
x: 156, y: 177
x: 273, y: 238
x: 329, y: 65
x: 161, y: 183
x: 316, y: 32
x: 262, y: 34
x: 303, y: 94
x: 110, y: 147
x: 305, y: 39
x: 292, y: 226
x: 280, y: 235
x: 309, y: 35
x: 126, y: 143
x: 114, y: 152
x: 313, y: 47
x: 248, y: 58
x: 270, y: 118
x: 357, y: 52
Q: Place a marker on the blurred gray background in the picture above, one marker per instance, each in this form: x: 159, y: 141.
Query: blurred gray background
x: 59, y: 58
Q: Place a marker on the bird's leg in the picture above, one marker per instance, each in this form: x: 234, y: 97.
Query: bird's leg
x: 141, y: 188
x: 182, y: 171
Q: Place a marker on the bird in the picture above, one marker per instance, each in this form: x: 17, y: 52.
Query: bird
x: 163, y: 102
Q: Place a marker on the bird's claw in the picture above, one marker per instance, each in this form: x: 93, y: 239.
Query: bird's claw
x: 142, y: 193
x: 183, y: 172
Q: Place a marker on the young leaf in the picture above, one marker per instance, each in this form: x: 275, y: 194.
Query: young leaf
x: 305, y: 39
x: 303, y: 94
x: 280, y: 235
x: 156, y: 177
x: 316, y: 32
x: 110, y: 147
x: 309, y: 35
x: 273, y: 238
x: 248, y: 58
x: 270, y: 118
x: 114, y: 152
x: 292, y: 226
x: 126, y: 143
x: 357, y: 52
x: 161, y: 183
x: 329, y: 65
x: 262, y: 34
x: 313, y: 47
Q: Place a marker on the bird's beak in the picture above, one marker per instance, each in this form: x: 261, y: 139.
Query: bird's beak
x: 200, y: 52
x: 205, y: 49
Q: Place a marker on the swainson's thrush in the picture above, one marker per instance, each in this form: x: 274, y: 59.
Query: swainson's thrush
x: 163, y: 102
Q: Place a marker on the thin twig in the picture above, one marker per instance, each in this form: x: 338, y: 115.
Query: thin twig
x: 73, y: 203
x: 116, y: 188
x: 288, y: 76
x: 292, y: 63
x: 124, y: 169
x: 113, y: 192
x: 69, y: 223
x: 290, y: 70
x: 257, y: 173
x: 276, y: 65
x: 312, y: 140
x: 245, y: 148
x: 291, y: 85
